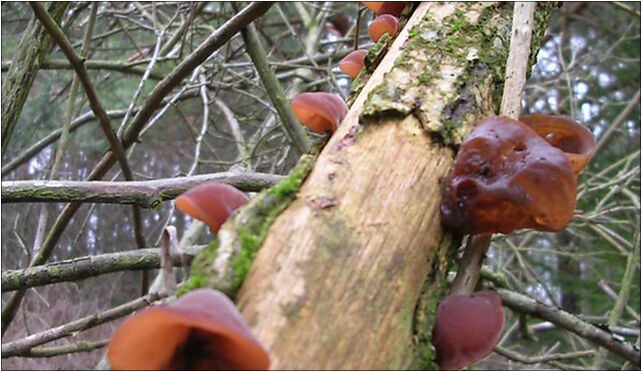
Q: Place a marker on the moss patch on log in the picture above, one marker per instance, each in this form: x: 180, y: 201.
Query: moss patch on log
x: 455, y: 49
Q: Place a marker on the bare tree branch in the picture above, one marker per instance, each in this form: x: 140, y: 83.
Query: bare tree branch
x: 162, y: 89
x: 147, y: 194
x: 15, y: 348
x: 570, y: 322
x: 291, y: 125
x: 89, y: 266
x: 75, y: 347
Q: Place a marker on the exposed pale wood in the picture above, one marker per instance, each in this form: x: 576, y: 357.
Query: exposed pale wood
x: 337, y: 280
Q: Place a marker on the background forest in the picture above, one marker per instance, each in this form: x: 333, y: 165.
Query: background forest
x: 221, y: 119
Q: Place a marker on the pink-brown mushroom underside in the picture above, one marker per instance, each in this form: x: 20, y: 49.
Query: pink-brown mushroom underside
x: 211, y: 203
x: 506, y: 177
x: 466, y: 328
x: 353, y: 63
x: 319, y: 111
x: 201, y: 330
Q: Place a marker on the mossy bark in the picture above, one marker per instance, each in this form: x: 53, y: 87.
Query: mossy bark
x: 349, y: 275
x: 34, y: 46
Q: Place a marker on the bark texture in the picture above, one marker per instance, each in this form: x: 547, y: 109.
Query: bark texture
x: 349, y: 274
x: 34, y: 46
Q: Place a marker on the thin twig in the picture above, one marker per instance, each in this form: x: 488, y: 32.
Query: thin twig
x: 510, y: 354
x: 291, y: 125
x: 570, y: 322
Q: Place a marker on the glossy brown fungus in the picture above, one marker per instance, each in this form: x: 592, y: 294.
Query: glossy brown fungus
x: 353, y: 63
x: 200, y: 331
x: 467, y: 328
x: 574, y: 139
x: 320, y: 112
x: 211, y: 203
x: 383, y: 24
x: 506, y: 177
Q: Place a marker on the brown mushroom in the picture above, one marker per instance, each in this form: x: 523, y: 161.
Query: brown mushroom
x: 211, y: 203
x: 506, y: 177
x: 320, y: 112
x: 467, y: 328
x: 383, y: 24
x: 574, y: 139
x: 353, y: 63
x: 200, y: 331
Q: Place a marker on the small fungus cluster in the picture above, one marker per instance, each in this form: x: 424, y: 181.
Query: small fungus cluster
x: 200, y: 331
x: 508, y: 174
x: 323, y: 112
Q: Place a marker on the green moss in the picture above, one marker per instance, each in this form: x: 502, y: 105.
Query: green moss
x: 194, y: 282
x: 241, y: 263
x: 200, y: 269
x: 469, y: 46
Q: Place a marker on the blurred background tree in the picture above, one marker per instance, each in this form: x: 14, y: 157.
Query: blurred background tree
x: 588, y: 68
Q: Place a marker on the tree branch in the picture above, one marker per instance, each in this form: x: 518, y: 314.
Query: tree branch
x: 89, y: 266
x: 18, y: 347
x: 162, y: 89
x: 570, y: 322
x: 147, y: 194
x: 95, y: 64
x: 34, y: 44
x: 76, y: 347
x: 512, y: 355
x: 291, y: 125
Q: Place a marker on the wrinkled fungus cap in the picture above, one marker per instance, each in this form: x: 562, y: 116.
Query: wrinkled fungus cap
x: 211, y: 203
x: 467, y: 328
x: 506, y: 177
x: 385, y: 23
x: 202, y: 330
x: 574, y: 139
x: 320, y: 112
x: 353, y: 63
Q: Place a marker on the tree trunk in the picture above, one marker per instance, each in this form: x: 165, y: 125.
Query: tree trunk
x: 349, y: 275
